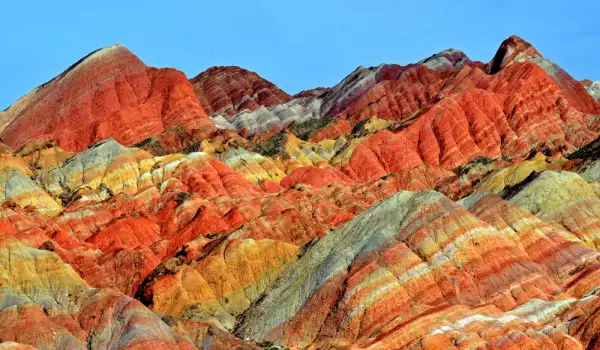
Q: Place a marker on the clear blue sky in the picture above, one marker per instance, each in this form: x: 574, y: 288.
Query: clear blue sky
x: 295, y: 44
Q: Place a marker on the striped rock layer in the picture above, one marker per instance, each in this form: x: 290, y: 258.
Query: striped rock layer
x: 443, y: 204
x: 229, y: 90
x: 109, y: 93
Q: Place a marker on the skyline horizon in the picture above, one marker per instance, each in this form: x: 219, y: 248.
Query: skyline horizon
x: 297, y: 46
x: 292, y: 93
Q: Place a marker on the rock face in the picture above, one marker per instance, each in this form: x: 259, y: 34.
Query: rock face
x: 109, y: 93
x: 442, y: 204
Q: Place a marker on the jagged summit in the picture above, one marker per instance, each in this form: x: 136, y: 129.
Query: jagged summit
x: 514, y: 49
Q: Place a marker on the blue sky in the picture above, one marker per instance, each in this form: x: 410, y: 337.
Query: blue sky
x: 295, y: 44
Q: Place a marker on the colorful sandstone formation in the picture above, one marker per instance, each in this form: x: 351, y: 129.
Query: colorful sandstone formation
x: 229, y: 90
x: 444, y: 204
x: 109, y: 93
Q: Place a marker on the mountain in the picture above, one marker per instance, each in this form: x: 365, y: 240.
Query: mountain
x: 109, y: 93
x: 229, y: 90
x: 447, y: 203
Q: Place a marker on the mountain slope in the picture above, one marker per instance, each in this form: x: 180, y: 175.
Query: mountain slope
x: 109, y: 93
x: 230, y: 90
x: 447, y: 203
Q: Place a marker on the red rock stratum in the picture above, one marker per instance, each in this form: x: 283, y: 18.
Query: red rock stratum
x: 109, y: 93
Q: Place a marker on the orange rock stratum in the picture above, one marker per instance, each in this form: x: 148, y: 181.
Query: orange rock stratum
x: 445, y: 204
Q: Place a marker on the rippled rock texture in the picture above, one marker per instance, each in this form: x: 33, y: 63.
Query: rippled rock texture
x: 443, y: 204
x: 229, y: 90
